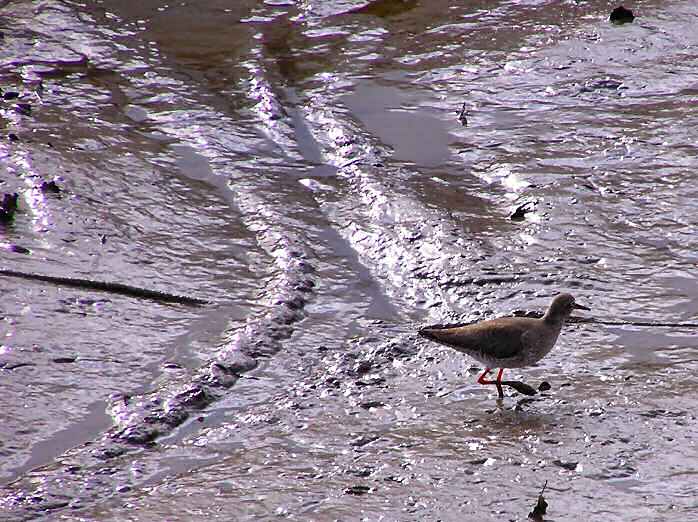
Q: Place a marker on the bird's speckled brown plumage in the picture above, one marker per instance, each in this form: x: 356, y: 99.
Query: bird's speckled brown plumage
x: 508, y: 342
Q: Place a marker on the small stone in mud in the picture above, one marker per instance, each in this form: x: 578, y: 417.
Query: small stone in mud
x: 372, y: 381
x: 12, y: 137
x: 544, y: 386
x: 109, y: 453
x: 10, y: 95
x: 363, y: 367
x: 50, y: 187
x: 195, y: 397
x: 64, y: 360
x: 363, y: 472
x: 363, y: 440
x: 621, y: 15
x: 571, y: 465
x: 8, y: 207
x: 12, y: 366
x: 357, y: 490
x: 52, y: 505
x: 23, y: 108
x: 333, y: 381
x: 520, y: 213
x: 19, y: 249
x: 372, y: 404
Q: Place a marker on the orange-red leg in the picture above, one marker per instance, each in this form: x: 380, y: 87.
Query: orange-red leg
x: 482, y: 380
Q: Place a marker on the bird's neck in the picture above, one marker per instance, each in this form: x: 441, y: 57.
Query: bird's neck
x: 554, y: 320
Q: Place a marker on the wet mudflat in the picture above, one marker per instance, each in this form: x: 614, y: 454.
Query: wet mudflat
x: 330, y: 176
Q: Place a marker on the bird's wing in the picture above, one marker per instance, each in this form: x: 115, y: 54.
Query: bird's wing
x: 500, y: 338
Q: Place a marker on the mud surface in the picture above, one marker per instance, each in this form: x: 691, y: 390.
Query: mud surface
x: 329, y: 177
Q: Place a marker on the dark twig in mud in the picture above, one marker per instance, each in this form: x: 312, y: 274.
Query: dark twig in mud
x: 591, y: 320
x: 520, y: 387
x: 541, y: 506
x: 104, y: 286
x: 520, y: 213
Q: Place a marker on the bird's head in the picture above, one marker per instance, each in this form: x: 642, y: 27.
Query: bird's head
x: 562, y: 306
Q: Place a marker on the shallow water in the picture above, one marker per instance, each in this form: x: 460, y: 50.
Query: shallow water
x: 302, y: 166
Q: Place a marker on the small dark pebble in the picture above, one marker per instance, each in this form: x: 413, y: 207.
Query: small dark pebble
x: 363, y: 367
x: 64, y: 360
x: 544, y: 386
x: 8, y: 206
x: 357, y: 490
x: 195, y: 397
x: 12, y: 137
x: 373, y: 381
x: 333, y: 381
x: 662, y: 413
x: 19, y: 249
x: 520, y: 213
x: 23, y: 108
x: 10, y: 95
x: 363, y: 472
x: 13, y: 366
x: 363, y: 440
x: 571, y: 466
x: 50, y: 186
x: 372, y: 404
x: 621, y: 15
x: 51, y: 505
x: 109, y: 453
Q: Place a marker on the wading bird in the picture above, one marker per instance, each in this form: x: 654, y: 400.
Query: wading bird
x: 507, y: 342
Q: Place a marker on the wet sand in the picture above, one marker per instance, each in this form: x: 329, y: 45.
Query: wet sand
x: 304, y: 170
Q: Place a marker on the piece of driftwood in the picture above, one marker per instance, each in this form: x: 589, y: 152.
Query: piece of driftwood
x: 105, y: 286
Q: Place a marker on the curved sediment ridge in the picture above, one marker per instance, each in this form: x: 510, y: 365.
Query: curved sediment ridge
x: 141, y: 419
x: 78, y: 476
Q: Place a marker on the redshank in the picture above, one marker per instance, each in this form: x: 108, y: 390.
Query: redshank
x: 507, y: 342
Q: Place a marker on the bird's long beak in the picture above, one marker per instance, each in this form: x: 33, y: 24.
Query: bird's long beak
x: 580, y: 307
